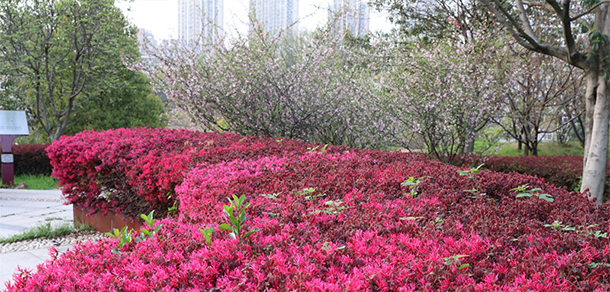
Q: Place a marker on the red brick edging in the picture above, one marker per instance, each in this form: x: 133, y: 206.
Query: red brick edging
x: 104, y: 223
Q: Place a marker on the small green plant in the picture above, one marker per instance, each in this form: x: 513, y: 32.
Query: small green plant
x: 309, y: 198
x: 438, y: 221
x: 412, y: 183
x: 455, y: 259
x: 145, y: 233
x: 236, y: 213
x: 598, y: 234
x: 173, y: 210
x: 594, y: 265
x: 325, y: 246
x: 124, y: 237
x: 577, y: 187
x: 560, y: 226
x: 309, y: 191
x: 207, y: 234
x: 579, y: 229
x: 471, y: 173
x: 312, y: 150
x: 526, y: 192
x: 306, y: 191
x: 271, y: 196
x: 332, y: 207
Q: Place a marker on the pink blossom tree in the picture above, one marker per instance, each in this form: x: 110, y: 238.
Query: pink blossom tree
x: 445, y: 93
x: 313, y: 87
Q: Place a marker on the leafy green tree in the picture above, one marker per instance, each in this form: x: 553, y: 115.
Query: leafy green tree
x: 129, y: 106
x: 59, y: 49
x: 462, y: 20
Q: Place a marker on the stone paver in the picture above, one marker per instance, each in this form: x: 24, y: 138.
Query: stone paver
x: 21, y: 210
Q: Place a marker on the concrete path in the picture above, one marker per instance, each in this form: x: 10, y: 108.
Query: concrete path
x: 21, y: 210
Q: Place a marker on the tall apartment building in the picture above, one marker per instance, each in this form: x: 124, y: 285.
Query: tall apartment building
x: 199, y: 19
x: 275, y: 15
x: 146, y: 40
x: 350, y: 14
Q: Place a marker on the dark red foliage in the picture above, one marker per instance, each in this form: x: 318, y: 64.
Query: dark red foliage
x: 562, y: 171
x: 135, y: 171
x: 342, y: 220
x: 31, y: 159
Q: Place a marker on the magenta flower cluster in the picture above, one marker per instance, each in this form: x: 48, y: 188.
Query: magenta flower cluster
x: 343, y: 220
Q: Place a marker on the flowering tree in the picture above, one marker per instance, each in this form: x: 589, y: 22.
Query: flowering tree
x: 445, y: 93
x: 591, y: 17
x: 312, y: 87
x: 575, y: 32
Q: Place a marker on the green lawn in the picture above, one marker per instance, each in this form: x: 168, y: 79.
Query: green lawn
x: 36, y: 182
x: 544, y: 148
x: 45, y: 231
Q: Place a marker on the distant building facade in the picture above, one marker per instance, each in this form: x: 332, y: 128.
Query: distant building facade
x: 276, y: 15
x: 199, y: 19
x: 352, y: 15
x: 146, y: 39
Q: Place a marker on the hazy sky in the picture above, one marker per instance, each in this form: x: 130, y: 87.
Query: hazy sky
x: 161, y: 16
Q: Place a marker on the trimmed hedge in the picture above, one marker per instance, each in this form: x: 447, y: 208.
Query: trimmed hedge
x: 31, y: 159
x: 135, y: 171
x: 350, y: 220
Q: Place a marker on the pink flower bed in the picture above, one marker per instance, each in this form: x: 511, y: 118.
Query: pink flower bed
x: 361, y: 220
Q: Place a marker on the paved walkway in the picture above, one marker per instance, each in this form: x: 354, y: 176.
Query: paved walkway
x: 21, y: 210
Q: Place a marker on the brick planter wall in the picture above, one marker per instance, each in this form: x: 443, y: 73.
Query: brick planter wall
x: 104, y: 223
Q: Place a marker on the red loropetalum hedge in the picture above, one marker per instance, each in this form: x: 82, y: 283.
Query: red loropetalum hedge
x: 562, y: 171
x: 135, y: 171
x: 352, y: 220
x: 31, y: 159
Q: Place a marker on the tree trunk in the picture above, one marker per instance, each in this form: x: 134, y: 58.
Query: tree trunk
x: 596, y: 135
x: 590, y: 98
x: 535, y: 148
x: 469, y: 147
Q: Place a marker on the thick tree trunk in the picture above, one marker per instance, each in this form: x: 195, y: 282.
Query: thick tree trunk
x: 596, y: 133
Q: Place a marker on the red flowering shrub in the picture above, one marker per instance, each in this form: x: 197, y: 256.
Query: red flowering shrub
x: 356, y: 221
x: 562, y: 171
x: 135, y: 171
x: 31, y: 159
x: 130, y: 170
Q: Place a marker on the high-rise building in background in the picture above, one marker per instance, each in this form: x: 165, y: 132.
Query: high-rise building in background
x: 199, y: 19
x: 146, y: 40
x: 352, y: 15
x: 275, y: 15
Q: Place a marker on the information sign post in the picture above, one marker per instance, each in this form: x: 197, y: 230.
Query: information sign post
x: 12, y: 125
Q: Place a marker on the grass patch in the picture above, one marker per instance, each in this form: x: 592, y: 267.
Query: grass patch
x: 36, y: 182
x: 45, y: 231
x: 544, y: 148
